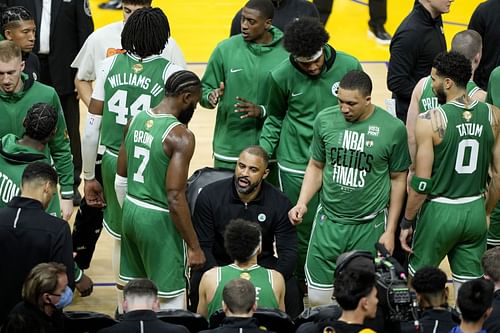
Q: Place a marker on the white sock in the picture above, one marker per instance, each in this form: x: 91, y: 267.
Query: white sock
x: 319, y: 296
x: 178, y: 302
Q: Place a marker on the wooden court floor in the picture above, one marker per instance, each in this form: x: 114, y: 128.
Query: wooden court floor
x: 198, y: 25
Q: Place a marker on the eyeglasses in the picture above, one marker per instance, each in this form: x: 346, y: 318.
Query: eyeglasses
x: 58, y: 295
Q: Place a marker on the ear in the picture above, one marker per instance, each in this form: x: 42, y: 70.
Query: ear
x: 8, y: 34
x: 268, y: 24
x: 156, y: 305
x: 266, y: 173
x: 446, y: 292
x: 23, y: 64
x: 224, y: 307
x: 47, y: 187
x: 488, y: 312
x: 368, y: 99
x: 254, y: 307
x: 46, y: 298
x: 186, y: 98
x: 448, y: 83
x: 363, y: 303
x: 125, y: 306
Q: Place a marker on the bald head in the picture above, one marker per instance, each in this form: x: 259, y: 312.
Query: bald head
x: 470, y: 44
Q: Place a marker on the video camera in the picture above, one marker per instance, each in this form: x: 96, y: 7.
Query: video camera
x: 394, y: 295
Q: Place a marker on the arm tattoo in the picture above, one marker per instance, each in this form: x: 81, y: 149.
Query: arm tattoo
x: 437, y: 123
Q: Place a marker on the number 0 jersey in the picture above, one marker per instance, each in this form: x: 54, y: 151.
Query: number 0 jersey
x: 128, y: 85
x: 147, y: 163
x: 461, y: 160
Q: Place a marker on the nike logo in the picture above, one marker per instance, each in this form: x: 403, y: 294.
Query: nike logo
x: 236, y: 70
x: 378, y: 225
x: 296, y: 94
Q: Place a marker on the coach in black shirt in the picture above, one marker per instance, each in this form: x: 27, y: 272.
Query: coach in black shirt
x: 247, y: 196
x: 417, y: 41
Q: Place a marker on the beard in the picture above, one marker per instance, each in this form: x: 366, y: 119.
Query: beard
x: 248, y: 188
x: 186, y: 115
x: 441, y: 96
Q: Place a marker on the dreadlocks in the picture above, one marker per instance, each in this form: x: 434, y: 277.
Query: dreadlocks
x: 40, y: 121
x: 146, y: 32
x: 181, y: 82
x: 11, y: 16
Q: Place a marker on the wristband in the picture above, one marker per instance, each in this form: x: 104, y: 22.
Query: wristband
x: 406, y: 224
x: 421, y: 185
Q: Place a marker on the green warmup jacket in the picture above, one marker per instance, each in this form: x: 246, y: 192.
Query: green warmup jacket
x: 294, y: 101
x: 14, y: 158
x: 14, y: 107
x: 244, y: 68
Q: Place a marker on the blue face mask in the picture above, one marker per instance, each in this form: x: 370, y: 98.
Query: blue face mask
x: 65, y: 299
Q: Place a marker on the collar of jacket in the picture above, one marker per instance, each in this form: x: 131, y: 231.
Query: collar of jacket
x: 140, y: 315
x: 27, y: 83
x: 16, y: 153
x: 330, y: 55
x: 240, y: 322
x: 23, y: 202
x: 426, y: 16
x: 259, y: 49
x: 236, y: 197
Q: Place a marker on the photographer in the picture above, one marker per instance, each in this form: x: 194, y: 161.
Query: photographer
x: 356, y: 293
x: 432, y: 295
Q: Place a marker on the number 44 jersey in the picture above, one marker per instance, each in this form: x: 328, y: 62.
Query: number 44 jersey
x: 461, y: 160
x: 127, y: 85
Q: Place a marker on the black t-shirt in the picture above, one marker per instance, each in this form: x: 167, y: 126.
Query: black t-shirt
x: 333, y: 326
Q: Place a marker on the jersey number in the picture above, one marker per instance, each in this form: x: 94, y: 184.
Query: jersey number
x: 141, y: 153
x: 460, y: 164
x: 118, y: 104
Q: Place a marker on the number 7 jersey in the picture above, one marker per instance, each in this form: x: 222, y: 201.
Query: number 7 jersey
x: 462, y: 159
x: 147, y: 163
x: 127, y: 85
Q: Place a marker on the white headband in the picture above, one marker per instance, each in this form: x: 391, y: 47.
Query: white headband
x: 312, y: 58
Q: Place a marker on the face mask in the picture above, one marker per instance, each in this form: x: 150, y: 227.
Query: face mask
x: 65, y: 299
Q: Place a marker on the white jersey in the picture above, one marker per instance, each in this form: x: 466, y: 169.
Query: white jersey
x: 104, y: 42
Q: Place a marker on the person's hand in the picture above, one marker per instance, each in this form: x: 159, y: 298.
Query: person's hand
x: 405, y: 237
x: 85, y: 286
x: 387, y: 239
x: 297, y: 213
x: 216, y: 94
x: 93, y: 193
x: 66, y: 208
x: 248, y: 109
x: 196, y: 258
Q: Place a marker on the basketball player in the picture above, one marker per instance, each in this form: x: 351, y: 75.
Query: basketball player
x: 153, y: 165
x: 126, y: 84
x: 455, y: 143
x: 242, y: 240
x: 359, y: 159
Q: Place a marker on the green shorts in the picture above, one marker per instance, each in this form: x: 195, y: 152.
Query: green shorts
x: 457, y: 230
x: 112, y: 213
x: 152, y: 248
x: 494, y: 229
x: 290, y: 183
x: 330, y: 239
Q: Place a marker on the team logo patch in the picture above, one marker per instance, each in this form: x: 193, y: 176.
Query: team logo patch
x: 137, y: 68
x: 328, y: 329
x: 149, y: 123
x: 373, y: 130
x: 112, y: 51
x: 261, y: 217
x: 335, y: 88
x: 369, y: 143
x: 245, y: 276
x: 467, y: 115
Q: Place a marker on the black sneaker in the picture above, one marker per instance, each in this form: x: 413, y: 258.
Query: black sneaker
x: 380, y: 35
x: 111, y: 4
x: 77, y: 197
